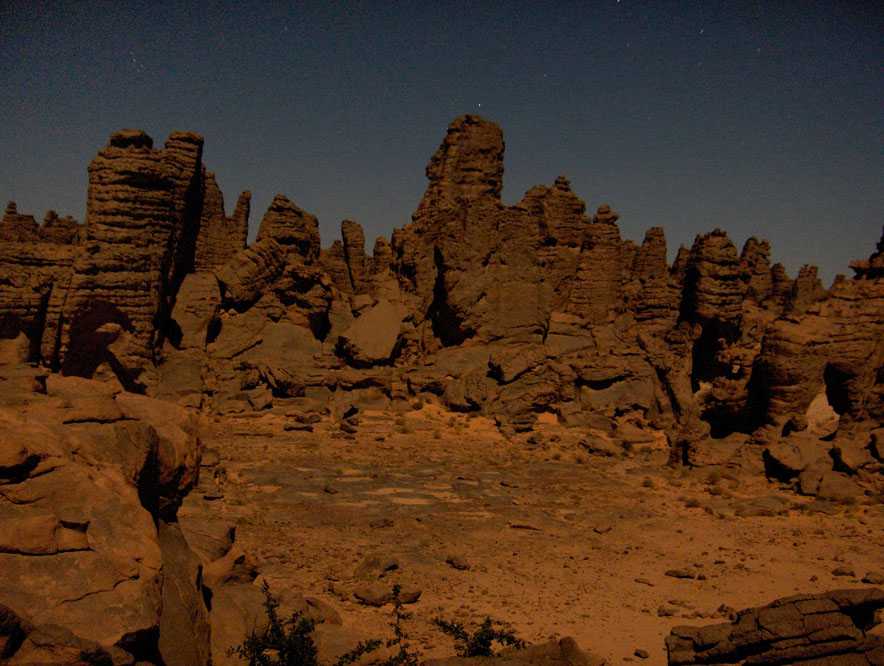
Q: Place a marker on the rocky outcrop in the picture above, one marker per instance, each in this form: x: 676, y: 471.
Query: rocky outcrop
x: 796, y: 630
x: 652, y: 295
x: 680, y: 265
x: 835, y: 346
x: 873, y: 267
x: 220, y: 237
x: 91, y: 479
x: 467, y: 166
x: 781, y: 285
x: 354, y: 254
x: 596, y: 294
x: 34, y: 266
x: 560, y: 213
x: 524, y: 312
x: 62, y: 230
x: 713, y: 290
x: 806, y: 290
x: 17, y: 227
x: 334, y: 263
x: 650, y: 261
x: 139, y: 224
x: 294, y: 229
x: 755, y: 271
x: 248, y: 274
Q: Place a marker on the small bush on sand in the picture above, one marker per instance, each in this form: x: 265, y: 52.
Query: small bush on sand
x: 481, y: 642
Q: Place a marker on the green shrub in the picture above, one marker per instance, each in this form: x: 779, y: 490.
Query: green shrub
x: 481, y: 642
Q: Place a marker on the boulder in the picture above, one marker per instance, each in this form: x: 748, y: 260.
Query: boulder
x: 196, y: 310
x: 371, y: 338
x: 791, y: 630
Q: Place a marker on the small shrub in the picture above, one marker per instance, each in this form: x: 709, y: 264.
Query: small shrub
x: 288, y: 643
x: 404, y: 656
x: 481, y: 642
x: 278, y: 644
x: 362, y: 648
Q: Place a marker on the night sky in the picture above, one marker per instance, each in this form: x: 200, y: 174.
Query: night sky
x: 763, y: 118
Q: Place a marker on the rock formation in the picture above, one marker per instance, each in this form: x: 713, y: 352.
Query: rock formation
x: 220, y: 237
x: 294, y: 229
x: 55, y: 229
x: 139, y: 218
x: 17, y: 227
x: 86, y: 473
x: 515, y: 311
x: 527, y: 313
x: 804, y: 629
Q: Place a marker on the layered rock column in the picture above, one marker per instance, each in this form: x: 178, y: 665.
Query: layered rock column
x: 220, y: 237
x: 294, y: 229
x: 354, y: 254
x: 35, y: 263
x: 597, y: 291
x: 16, y: 227
x: 139, y: 222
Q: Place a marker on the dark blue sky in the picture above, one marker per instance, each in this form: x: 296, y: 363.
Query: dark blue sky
x: 763, y: 118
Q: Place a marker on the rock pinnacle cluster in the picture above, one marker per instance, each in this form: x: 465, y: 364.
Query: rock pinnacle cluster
x: 532, y: 312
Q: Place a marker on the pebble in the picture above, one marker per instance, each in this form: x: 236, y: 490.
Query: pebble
x: 681, y: 573
x: 457, y: 562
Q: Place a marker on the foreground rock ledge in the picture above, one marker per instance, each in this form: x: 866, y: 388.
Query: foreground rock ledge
x: 802, y: 629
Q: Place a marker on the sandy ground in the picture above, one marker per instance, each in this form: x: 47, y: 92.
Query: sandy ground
x: 558, y: 542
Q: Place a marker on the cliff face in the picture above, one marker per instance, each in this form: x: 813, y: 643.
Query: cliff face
x: 517, y: 311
